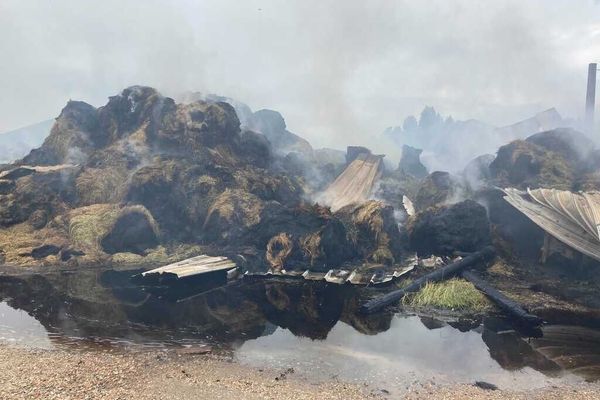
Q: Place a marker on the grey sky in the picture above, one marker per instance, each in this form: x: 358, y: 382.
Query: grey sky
x: 340, y: 72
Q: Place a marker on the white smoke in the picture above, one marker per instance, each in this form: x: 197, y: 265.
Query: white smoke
x: 340, y: 75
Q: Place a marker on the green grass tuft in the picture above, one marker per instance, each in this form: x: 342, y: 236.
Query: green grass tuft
x: 453, y: 294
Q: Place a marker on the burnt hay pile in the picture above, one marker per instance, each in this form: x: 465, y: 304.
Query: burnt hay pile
x: 144, y: 179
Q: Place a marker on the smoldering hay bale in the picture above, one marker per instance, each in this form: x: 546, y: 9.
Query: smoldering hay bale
x: 51, y: 191
x: 255, y: 148
x: 279, y: 249
x: 100, y: 185
x: 72, y: 138
x: 327, y: 247
x: 110, y: 228
x: 38, y: 219
x: 439, y: 187
x: 443, y: 230
x: 17, y: 242
x: 574, y: 146
x: 6, y: 186
x: 523, y: 164
x: 232, y: 212
x: 134, y: 231
x: 311, y: 244
x: 87, y: 225
x: 373, y: 231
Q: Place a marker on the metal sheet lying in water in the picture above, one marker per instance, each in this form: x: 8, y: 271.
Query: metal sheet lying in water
x: 194, y: 266
x: 572, y: 218
x: 339, y: 276
x: 206, y: 264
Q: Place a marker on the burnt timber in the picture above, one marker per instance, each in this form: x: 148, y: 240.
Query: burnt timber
x: 509, y: 306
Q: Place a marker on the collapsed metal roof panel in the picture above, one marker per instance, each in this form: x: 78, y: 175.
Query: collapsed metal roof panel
x: 572, y: 218
x: 355, y: 183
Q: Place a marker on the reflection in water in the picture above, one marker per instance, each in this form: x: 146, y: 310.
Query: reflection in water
x: 314, y: 327
x: 511, y: 351
x: 575, y: 349
x: 407, y: 349
x: 90, y: 304
x: 17, y: 327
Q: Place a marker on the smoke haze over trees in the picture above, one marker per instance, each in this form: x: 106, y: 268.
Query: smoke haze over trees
x: 339, y: 74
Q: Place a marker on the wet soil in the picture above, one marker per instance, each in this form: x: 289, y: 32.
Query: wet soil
x: 166, y: 375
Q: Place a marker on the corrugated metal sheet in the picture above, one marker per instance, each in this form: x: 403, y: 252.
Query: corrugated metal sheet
x: 206, y: 264
x: 339, y: 276
x: 572, y: 218
x: 355, y: 183
x: 194, y: 266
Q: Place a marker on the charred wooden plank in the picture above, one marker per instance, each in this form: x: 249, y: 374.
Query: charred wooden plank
x: 508, y: 305
x: 440, y: 274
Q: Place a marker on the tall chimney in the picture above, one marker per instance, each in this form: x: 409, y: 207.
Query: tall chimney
x: 590, y: 98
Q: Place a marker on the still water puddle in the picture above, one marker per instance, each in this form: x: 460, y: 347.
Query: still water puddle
x: 408, y: 350
x: 315, y: 329
x: 18, y: 327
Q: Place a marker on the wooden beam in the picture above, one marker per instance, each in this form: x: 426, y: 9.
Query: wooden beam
x: 507, y: 305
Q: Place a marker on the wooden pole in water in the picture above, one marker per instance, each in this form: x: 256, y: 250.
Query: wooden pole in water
x: 507, y: 305
x: 441, y: 274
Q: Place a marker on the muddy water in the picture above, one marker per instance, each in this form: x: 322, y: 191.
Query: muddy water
x: 314, y: 328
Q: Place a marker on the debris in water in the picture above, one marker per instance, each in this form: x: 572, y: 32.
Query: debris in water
x: 486, y: 385
x: 194, y: 350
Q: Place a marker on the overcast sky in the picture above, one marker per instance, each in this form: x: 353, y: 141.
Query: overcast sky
x: 339, y: 71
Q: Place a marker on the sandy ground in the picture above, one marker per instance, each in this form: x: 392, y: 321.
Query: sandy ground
x: 68, y: 374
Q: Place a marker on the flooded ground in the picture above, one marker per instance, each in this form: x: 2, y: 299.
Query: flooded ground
x: 407, y: 351
x: 18, y: 327
x: 313, y: 328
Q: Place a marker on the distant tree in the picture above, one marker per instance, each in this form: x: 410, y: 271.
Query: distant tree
x: 410, y: 124
x: 430, y: 118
